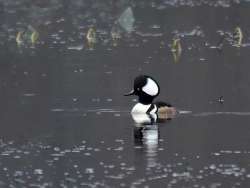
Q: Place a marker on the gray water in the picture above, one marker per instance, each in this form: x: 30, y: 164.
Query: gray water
x: 64, y: 121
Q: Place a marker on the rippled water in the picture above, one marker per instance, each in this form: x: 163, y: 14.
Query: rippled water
x: 106, y: 149
x: 65, y: 123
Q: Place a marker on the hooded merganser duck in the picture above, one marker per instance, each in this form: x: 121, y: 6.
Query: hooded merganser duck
x: 146, y: 88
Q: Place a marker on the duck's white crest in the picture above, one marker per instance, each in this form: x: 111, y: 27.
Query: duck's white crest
x: 151, y: 88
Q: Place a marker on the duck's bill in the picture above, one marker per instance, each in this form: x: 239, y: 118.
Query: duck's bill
x: 132, y: 92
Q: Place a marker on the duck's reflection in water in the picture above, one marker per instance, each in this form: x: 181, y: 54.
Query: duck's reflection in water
x: 146, y: 136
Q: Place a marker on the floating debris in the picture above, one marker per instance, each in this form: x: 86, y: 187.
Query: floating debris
x: 176, y: 45
x: 19, y: 40
x: 115, y: 34
x: 221, y: 41
x: 34, y: 37
x: 176, y: 56
x: 221, y: 100
x: 176, y: 49
x: 126, y: 20
x: 238, y: 36
x: 30, y: 35
x: 234, y: 39
x: 91, y: 37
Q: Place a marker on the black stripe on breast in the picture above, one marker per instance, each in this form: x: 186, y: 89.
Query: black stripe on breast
x: 150, y: 108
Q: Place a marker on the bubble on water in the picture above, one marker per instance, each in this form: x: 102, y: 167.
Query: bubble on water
x: 108, y: 72
x: 63, y: 42
x: 118, y: 149
x: 157, y: 177
x: 138, y: 147
x: 138, y: 182
x: 66, y: 174
x: 109, y: 166
x: 72, y: 180
x: 18, y: 173
x: 217, y: 154
x: 38, y: 171
x: 29, y: 94
x: 19, y: 181
x: 84, y: 142
x: 212, y: 167
x: 109, y: 100
x: 95, y: 99
x: 57, y: 110
x: 76, y: 150
x: 89, y: 148
x: 132, y: 168
x: 5, y: 153
x: 122, y: 164
x: 57, y: 154
x: 75, y: 99
x: 89, y: 171
x: 87, y: 154
x: 184, y: 174
x: 56, y: 149
x: 26, y: 152
x: 118, y: 176
x: 120, y: 141
x: 122, y: 184
x: 155, y: 26
x: 60, y: 20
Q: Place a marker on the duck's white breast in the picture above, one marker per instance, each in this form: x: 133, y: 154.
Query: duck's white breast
x: 142, y: 108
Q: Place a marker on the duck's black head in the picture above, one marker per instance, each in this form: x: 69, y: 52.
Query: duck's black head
x: 146, y: 88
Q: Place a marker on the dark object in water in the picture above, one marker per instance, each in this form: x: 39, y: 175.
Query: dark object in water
x: 221, y: 42
x: 221, y: 99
